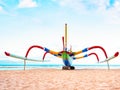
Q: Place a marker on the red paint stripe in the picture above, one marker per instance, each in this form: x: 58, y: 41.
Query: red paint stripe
x: 7, y: 54
x: 99, y: 48
x: 116, y: 54
x: 95, y: 55
x: 44, y: 55
x: 34, y: 46
x: 63, y: 42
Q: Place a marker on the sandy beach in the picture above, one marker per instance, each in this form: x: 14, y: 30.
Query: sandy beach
x: 57, y: 79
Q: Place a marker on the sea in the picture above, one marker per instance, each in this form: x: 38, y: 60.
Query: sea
x: 19, y: 65
x: 56, y: 66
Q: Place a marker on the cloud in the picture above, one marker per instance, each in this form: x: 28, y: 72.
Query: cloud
x: 113, y: 13
x: 27, y: 4
x: 84, y: 4
x: 5, y: 11
x: 108, y: 9
x: 117, y: 5
x: 1, y: 9
x: 2, y: 6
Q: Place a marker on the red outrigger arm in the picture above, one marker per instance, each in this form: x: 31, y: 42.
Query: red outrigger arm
x: 43, y: 48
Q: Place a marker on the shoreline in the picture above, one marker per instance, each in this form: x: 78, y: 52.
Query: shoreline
x: 28, y: 67
x: 57, y: 79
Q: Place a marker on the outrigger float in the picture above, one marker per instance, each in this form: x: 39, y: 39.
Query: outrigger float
x: 66, y: 55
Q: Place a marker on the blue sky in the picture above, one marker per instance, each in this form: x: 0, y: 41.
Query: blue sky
x: 41, y: 22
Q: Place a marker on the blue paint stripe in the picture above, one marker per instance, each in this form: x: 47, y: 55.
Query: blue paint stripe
x: 55, y: 55
x: 46, y: 49
x: 85, y: 50
x: 74, y: 58
x: 86, y: 55
x: 66, y: 63
x: 72, y: 54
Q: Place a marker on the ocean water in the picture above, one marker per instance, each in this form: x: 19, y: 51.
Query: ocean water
x: 19, y: 65
x: 55, y: 66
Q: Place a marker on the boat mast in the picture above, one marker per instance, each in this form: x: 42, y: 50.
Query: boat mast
x: 65, y: 46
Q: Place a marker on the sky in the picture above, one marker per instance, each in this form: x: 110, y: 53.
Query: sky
x: 24, y: 23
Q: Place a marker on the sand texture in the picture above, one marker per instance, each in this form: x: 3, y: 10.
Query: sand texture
x: 56, y: 79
